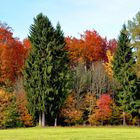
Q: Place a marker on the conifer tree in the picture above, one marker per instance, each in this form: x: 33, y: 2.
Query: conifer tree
x: 123, y: 64
x: 60, y: 75
x: 46, y: 77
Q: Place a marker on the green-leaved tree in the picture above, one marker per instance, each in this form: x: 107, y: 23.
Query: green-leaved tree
x: 134, y: 29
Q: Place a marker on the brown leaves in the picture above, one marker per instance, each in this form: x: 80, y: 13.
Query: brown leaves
x: 21, y: 102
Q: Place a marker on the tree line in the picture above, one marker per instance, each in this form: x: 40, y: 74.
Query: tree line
x: 49, y: 79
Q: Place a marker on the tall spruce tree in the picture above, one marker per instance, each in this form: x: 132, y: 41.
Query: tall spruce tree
x: 46, y: 74
x: 123, y: 64
x: 61, y: 74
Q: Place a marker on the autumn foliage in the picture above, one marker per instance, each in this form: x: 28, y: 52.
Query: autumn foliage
x: 103, y: 111
x: 108, y: 64
x: 12, y: 56
x: 24, y: 115
x: 90, y: 47
x: 8, y: 110
x: 111, y: 45
x: 71, y: 114
x: 92, y: 100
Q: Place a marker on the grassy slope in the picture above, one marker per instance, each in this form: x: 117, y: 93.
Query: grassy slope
x: 97, y: 133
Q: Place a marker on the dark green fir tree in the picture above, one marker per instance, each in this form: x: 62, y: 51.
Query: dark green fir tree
x: 60, y: 76
x: 123, y: 64
x: 46, y: 74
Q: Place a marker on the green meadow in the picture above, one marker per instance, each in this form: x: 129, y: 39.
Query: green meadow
x: 70, y: 133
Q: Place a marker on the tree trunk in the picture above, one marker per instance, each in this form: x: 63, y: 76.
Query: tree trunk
x: 55, y: 122
x: 40, y: 119
x: 124, y: 118
x: 85, y: 68
x: 138, y: 122
x: 43, y: 118
x: 102, y: 122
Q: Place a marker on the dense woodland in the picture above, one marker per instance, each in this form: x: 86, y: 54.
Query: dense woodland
x: 49, y: 79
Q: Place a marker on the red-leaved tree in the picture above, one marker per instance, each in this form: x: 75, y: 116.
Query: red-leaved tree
x: 104, y: 110
x: 89, y: 48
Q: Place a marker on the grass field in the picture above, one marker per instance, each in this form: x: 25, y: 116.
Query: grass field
x: 62, y: 133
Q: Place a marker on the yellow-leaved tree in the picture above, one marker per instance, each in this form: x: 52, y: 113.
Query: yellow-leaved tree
x: 108, y: 64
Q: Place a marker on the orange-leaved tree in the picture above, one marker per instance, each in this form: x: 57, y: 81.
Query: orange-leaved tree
x: 22, y: 103
x: 71, y: 114
x: 89, y: 48
x: 75, y: 47
x: 12, y: 56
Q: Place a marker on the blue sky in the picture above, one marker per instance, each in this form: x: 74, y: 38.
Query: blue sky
x: 75, y: 16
